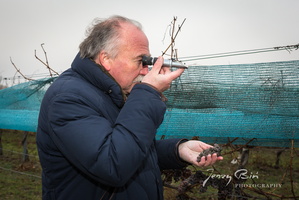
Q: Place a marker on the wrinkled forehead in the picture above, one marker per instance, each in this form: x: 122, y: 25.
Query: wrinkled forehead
x: 133, y: 34
x: 134, y: 39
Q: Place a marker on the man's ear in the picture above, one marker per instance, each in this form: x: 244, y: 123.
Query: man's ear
x: 103, y: 59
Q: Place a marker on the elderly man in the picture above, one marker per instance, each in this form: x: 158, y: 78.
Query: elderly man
x: 98, y: 120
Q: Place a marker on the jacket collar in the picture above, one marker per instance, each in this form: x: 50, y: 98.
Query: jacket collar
x: 97, y: 76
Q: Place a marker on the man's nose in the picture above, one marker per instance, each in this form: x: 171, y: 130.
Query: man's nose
x: 144, y: 70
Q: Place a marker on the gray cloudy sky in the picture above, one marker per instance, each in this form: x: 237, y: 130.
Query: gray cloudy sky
x: 211, y: 27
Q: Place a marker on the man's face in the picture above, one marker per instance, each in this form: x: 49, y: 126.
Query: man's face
x: 127, y: 68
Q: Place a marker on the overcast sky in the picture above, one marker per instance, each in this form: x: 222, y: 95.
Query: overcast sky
x: 210, y: 27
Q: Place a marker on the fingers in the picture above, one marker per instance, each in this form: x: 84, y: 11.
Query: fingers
x: 209, y: 160
x: 165, y: 70
x: 158, y: 65
x: 161, y: 77
x: 159, y: 69
x: 175, y: 74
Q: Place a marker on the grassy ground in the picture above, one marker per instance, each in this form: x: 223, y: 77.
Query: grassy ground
x: 21, y: 179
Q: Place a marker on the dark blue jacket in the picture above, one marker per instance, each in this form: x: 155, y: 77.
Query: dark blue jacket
x: 93, y: 145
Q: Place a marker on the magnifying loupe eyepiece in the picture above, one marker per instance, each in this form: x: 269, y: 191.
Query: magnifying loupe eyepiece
x: 147, y: 60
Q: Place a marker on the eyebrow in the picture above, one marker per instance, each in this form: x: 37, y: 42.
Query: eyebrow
x: 140, y: 56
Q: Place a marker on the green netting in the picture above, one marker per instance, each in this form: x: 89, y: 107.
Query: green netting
x: 223, y: 102
x: 19, y: 104
x: 217, y: 103
x: 267, y: 88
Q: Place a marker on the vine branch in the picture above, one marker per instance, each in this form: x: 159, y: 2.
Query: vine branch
x: 19, y: 71
x: 45, y: 63
x: 173, y: 37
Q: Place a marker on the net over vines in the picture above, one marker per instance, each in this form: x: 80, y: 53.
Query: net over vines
x: 19, y: 104
x: 220, y: 102
x: 258, y: 101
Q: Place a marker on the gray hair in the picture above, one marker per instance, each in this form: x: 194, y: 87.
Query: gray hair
x: 104, y: 35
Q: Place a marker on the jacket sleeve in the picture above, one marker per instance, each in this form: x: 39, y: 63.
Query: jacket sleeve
x: 168, y: 154
x: 109, y: 153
